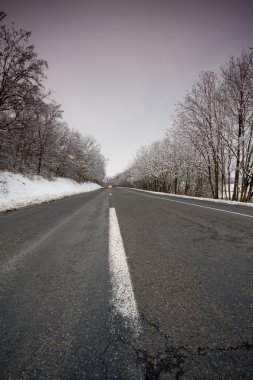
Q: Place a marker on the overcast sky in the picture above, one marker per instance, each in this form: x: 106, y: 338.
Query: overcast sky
x: 119, y: 67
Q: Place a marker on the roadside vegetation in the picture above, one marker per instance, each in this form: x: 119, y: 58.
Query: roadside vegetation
x: 208, y: 151
x: 34, y: 139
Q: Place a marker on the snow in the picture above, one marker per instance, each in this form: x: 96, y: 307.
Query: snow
x: 199, y: 198
x: 17, y: 190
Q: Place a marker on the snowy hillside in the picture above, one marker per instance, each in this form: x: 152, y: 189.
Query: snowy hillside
x: 17, y: 190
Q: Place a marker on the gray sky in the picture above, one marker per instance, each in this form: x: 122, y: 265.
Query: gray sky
x: 118, y: 67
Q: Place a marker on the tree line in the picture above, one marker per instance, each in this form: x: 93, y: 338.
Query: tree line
x: 33, y: 137
x: 208, y: 151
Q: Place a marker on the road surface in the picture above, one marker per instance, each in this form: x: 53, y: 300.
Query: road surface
x: 130, y: 285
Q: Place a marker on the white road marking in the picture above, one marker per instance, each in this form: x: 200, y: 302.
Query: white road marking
x: 190, y: 204
x: 123, y: 298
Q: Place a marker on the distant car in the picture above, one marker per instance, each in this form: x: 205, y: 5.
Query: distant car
x: 109, y: 186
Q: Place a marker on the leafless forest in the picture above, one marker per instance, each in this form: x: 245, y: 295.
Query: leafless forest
x: 209, y: 149
x: 33, y: 137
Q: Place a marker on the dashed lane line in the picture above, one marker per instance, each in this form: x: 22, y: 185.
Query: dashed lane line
x: 123, y: 299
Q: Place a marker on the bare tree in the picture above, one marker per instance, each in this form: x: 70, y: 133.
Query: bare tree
x: 21, y: 74
x: 33, y: 138
x: 237, y: 96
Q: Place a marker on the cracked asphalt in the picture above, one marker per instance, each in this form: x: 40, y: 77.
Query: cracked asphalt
x: 191, y: 271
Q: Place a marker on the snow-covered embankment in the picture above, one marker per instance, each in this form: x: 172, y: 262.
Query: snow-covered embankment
x: 18, y: 191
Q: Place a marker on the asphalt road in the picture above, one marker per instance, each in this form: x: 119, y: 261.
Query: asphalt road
x: 191, y: 270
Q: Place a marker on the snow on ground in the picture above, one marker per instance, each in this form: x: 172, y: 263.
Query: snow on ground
x: 18, y: 191
x: 199, y: 198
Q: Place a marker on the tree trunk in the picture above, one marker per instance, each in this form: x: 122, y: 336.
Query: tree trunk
x: 250, y: 191
x: 237, y: 170
x: 175, y: 184
x: 40, y: 160
x: 216, y: 180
